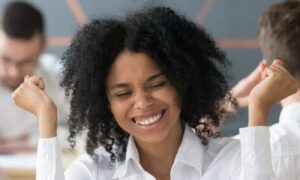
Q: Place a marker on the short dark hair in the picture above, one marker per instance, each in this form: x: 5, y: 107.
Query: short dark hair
x: 279, y: 35
x: 21, y: 20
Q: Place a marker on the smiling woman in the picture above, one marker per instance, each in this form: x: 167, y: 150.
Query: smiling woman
x: 175, y: 47
x: 139, y: 85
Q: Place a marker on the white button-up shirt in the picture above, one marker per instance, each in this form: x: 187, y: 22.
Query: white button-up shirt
x: 285, y: 143
x: 221, y: 159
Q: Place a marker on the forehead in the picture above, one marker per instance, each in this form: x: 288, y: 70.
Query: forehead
x: 19, y: 49
x: 131, y: 66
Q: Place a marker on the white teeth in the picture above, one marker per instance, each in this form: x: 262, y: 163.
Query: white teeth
x: 148, y: 121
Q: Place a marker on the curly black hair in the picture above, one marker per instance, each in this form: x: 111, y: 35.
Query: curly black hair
x: 180, y: 48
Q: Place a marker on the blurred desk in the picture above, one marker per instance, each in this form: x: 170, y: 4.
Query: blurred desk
x: 18, y: 166
x: 22, y: 166
x: 19, y: 174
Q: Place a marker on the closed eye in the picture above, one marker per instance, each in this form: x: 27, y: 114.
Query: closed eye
x: 124, y: 94
x: 157, y: 85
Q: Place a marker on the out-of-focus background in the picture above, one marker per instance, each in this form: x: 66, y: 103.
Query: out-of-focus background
x: 233, y: 23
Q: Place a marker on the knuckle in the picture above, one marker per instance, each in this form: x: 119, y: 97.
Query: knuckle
x: 23, y: 86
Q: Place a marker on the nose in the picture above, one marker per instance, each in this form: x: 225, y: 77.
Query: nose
x: 143, y: 100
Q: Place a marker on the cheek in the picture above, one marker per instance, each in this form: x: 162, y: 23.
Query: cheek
x: 170, y: 97
x: 176, y: 98
x: 119, y: 110
x: 175, y: 108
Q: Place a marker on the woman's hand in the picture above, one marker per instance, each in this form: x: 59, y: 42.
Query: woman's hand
x: 277, y: 84
x: 30, y: 96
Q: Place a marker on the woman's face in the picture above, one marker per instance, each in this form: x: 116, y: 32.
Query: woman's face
x: 142, y: 100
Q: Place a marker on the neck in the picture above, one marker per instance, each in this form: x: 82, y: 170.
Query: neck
x: 291, y: 99
x: 157, y: 158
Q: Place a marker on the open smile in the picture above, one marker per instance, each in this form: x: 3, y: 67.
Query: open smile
x: 148, y: 121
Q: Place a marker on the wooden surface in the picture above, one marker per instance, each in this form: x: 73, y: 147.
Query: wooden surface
x: 29, y: 174
x: 19, y: 174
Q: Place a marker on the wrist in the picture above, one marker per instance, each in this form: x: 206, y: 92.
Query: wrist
x: 47, y: 119
x: 258, y: 114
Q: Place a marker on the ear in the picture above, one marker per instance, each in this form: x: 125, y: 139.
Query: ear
x: 44, y: 44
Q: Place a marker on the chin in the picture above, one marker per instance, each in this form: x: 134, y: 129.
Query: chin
x: 153, y: 138
x: 150, y: 140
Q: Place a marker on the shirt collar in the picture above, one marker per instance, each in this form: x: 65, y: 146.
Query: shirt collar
x: 190, y: 153
x: 289, y: 113
x: 132, y: 154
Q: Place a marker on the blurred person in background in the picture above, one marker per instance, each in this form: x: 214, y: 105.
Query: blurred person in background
x: 279, y: 37
x: 22, y: 43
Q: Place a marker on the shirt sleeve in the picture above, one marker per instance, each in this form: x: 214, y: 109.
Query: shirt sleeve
x: 50, y: 167
x: 49, y: 160
x: 285, y: 146
x: 256, y: 154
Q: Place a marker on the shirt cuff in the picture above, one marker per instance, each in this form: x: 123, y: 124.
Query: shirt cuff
x: 256, y: 151
x: 48, y: 158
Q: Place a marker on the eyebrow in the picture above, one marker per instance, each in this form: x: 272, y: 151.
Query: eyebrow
x: 22, y: 61
x: 125, y: 85
x: 119, y: 85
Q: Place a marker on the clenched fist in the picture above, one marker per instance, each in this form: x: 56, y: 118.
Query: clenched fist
x: 30, y: 95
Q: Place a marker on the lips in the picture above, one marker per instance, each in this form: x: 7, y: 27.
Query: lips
x: 147, y: 121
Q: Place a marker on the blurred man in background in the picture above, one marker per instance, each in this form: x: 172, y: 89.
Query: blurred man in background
x: 279, y: 38
x: 22, y: 43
